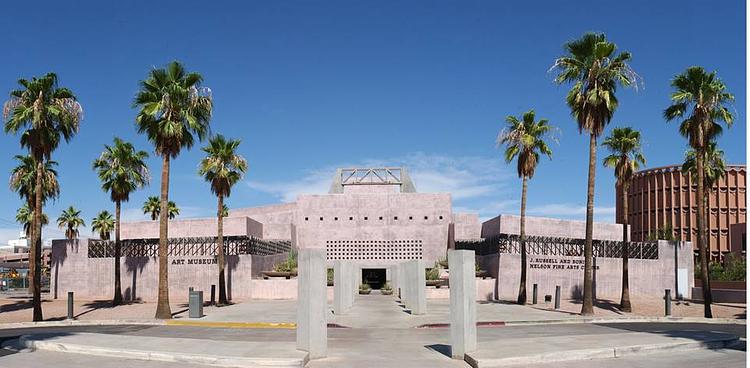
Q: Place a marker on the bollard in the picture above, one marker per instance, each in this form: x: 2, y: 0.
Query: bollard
x: 533, y: 295
x: 667, y: 302
x: 557, y: 297
x: 195, y: 304
x: 70, y: 305
x: 213, y: 294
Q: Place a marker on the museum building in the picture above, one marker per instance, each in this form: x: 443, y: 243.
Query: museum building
x: 374, y: 217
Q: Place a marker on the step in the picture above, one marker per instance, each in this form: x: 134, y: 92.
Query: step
x: 214, y: 353
x: 527, y: 351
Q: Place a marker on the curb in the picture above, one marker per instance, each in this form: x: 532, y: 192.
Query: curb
x: 721, y: 321
x: 28, y: 342
x: 275, y: 325
x: 601, y: 353
x: 67, y: 323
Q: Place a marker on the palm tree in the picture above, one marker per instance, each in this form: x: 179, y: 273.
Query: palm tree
x: 592, y: 67
x: 152, y: 207
x: 70, y: 220
x: 23, y: 179
x: 626, y: 158
x: 173, y: 108
x: 222, y: 168
x: 524, y: 139
x: 103, y: 223
x: 122, y: 170
x: 43, y: 114
x: 25, y: 216
x: 714, y: 165
x: 714, y: 168
x: 701, y: 100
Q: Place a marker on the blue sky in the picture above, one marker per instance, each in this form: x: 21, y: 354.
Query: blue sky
x: 313, y: 85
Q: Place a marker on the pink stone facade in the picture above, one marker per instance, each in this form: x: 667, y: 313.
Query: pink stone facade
x: 375, y: 225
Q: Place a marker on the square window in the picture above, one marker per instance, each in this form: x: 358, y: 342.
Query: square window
x: 335, y: 219
x: 425, y: 217
x: 365, y: 218
x: 321, y: 219
x: 381, y: 218
x: 306, y: 218
x: 441, y: 217
x: 395, y: 218
x: 411, y: 218
x: 351, y: 218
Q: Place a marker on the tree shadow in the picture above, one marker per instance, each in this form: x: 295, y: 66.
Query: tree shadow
x: 603, y: 304
x: 135, y: 266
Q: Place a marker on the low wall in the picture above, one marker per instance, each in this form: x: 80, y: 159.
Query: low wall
x: 648, y: 277
x: 485, y: 291
x: 722, y: 295
x: 93, y: 278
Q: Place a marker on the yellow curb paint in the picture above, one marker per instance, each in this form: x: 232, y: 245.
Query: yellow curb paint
x: 277, y: 325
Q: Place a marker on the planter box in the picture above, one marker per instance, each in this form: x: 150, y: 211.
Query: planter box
x: 364, y: 292
x: 269, y: 274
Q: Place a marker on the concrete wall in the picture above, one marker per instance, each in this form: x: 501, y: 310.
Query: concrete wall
x: 543, y: 226
x: 648, y: 278
x: 237, y: 226
x: 93, y: 278
x: 467, y: 226
x: 276, y: 219
x: 378, y: 217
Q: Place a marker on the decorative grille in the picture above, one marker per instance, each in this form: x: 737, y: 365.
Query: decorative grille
x: 194, y: 246
x: 557, y: 246
x: 374, y: 249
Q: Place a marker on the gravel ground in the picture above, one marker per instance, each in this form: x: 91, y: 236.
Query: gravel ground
x: 655, y: 307
x: 18, y: 309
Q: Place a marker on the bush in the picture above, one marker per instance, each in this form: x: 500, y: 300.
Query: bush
x: 364, y: 287
x: 288, y: 265
x: 733, y: 269
x: 387, y: 286
x: 433, y: 273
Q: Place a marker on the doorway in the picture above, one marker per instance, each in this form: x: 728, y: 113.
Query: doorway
x: 375, y: 277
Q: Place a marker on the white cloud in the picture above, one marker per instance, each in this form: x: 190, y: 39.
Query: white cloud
x: 465, y: 178
x: 481, y: 185
x: 568, y: 210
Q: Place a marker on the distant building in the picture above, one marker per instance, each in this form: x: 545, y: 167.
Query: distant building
x: 664, y: 199
x: 19, y: 245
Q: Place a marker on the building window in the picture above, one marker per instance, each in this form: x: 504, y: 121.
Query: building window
x: 351, y: 218
x: 321, y: 219
x: 441, y: 217
x: 411, y: 218
x: 306, y: 218
x: 425, y: 217
x: 395, y: 218
x: 365, y: 218
x: 381, y: 218
x: 335, y: 219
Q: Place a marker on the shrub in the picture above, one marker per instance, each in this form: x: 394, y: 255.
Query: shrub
x: 364, y: 287
x: 734, y: 268
x: 387, y: 286
x: 288, y: 265
x: 433, y: 273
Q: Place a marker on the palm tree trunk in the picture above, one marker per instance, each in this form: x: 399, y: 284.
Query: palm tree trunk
x: 625, y: 297
x: 702, y: 249
x: 220, y: 251
x: 35, y: 257
x: 588, y: 248
x: 162, y: 307
x: 117, y: 299
x: 522, y: 287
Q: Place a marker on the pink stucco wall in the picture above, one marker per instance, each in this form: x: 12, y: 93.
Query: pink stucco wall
x: 192, y: 228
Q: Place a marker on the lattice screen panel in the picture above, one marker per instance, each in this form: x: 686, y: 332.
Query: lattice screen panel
x: 374, y: 249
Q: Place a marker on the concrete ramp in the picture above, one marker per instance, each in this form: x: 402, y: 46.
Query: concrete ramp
x: 212, y: 353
